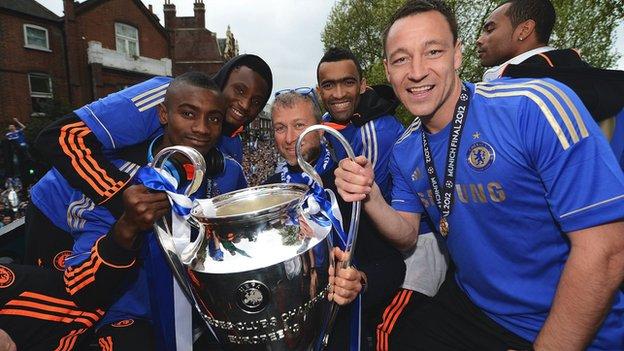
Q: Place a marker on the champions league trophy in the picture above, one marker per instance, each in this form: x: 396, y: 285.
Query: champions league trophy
x: 257, y: 271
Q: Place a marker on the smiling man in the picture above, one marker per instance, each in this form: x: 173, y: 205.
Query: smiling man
x: 77, y: 144
x: 363, y: 115
x: 507, y: 171
x: 380, y: 266
x: 114, y: 266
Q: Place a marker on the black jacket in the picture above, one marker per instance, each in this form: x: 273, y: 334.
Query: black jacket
x: 601, y: 90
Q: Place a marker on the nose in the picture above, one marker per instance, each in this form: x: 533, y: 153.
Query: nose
x: 200, y: 126
x: 480, y: 40
x: 245, y: 104
x: 339, y: 92
x: 418, y: 69
x: 291, y: 135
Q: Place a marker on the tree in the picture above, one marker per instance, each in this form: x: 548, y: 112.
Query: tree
x: 359, y: 24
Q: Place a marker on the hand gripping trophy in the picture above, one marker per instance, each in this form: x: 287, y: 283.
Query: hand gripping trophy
x: 257, y: 272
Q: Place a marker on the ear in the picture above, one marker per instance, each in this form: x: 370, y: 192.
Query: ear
x: 524, y: 30
x: 163, y: 117
x: 385, y: 62
x: 457, y: 57
x: 362, y: 85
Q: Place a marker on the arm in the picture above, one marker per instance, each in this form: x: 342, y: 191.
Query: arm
x: 113, y: 256
x: 22, y: 126
x: 355, y: 181
x: 72, y: 148
x: 592, y: 274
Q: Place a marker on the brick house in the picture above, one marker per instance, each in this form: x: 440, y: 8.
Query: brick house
x: 98, y: 47
x: 33, y: 66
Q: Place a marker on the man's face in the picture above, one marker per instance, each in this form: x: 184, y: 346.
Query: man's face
x: 6, y: 220
x: 421, y: 62
x: 245, y: 92
x: 12, y: 128
x: 288, y: 124
x: 340, y: 86
x: 497, y: 42
x: 193, y: 117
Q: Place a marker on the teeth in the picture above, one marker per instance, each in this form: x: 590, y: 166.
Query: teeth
x: 341, y: 104
x: 420, y: 89
x: 237, y: 112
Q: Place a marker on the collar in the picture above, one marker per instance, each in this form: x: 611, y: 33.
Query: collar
x: 497, y: 71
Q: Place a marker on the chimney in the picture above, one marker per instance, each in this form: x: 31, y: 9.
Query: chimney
x: 151, y: 9
x: 68, y: 8
x: 170, y: 15
x: 200, y: 13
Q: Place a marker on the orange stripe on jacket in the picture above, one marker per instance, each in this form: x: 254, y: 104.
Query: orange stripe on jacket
x: 105, y: 177
x: 71, y: 140
x: 76, y: 144
x: 396, y: 316
x: 54, y: 309
x: 547, y: 59
x: 388, y: 316
x: 336, y: 126
x: 106, y: 344
x: 74, y: 162
x: 47, y: 299
x: 68, y: 341
x: 45, y: 316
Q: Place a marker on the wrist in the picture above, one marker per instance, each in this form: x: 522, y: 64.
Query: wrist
x: 125, y: 233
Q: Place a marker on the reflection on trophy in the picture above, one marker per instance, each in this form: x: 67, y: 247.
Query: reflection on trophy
x: 257, y: 272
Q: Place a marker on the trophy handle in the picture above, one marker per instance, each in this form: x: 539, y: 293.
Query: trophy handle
x: 177, y: 262
x: 355, y: 209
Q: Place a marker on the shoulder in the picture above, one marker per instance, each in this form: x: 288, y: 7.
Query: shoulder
x: 410, y: 133
x: 535, y: 91
x: 274, y: 178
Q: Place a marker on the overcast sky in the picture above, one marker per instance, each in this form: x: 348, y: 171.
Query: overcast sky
x: 286, y: 33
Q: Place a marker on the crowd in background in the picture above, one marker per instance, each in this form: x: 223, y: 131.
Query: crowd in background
x: 260, y: 159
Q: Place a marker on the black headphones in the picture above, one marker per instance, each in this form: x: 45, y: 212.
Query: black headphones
x: 215, y: 162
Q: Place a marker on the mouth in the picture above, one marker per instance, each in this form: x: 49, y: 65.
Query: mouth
x: 480, y: 52
x: 237, y: 114
x: 340, y: 105
x: 197, y: 141
x: 420, y: 91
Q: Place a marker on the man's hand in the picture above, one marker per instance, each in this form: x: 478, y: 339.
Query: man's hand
x: 345, y: 285
x: 141, y: 209
x: 354, y: 180
x: 6, y: 343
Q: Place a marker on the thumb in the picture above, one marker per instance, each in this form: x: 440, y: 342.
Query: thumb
x: 361, y: 160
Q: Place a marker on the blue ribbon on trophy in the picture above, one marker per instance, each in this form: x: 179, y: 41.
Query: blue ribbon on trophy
x: 181, y: 206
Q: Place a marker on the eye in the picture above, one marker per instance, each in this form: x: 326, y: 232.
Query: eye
x: 434, y: 53
x: 279, y: 129
x: 327, y: 85
x: 256, y: 102
x: 399, y: 61
x: 188, y: 114
x: 300, y: 126
x: 350, y: 82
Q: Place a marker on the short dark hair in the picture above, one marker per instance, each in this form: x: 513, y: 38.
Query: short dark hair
x: 413, y: 7
x: 193, y: 78
x: 540, y: 11
x: 336, y: 54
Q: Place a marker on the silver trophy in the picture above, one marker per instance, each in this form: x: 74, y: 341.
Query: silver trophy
x: 257, y: 271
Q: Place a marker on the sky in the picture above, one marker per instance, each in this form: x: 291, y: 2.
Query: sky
x: 286, y: 33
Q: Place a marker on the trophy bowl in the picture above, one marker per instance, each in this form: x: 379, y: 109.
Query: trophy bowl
x: 257, y: 271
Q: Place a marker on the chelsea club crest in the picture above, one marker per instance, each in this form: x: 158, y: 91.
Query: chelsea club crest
x: 480, y: 156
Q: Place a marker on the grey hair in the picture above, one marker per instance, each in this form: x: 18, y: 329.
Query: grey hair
x: 290, y: 99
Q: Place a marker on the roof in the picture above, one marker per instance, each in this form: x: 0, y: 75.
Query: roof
x: 30, y: 8
x: 90, y: 4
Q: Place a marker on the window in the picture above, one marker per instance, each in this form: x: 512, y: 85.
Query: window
x: 127, y: 39
x: 40, y: 91
x: 36, y: 37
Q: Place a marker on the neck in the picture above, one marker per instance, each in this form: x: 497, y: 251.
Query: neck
x: 444, y: 114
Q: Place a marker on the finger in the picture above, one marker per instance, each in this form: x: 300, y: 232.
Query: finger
x: 361, y: 160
